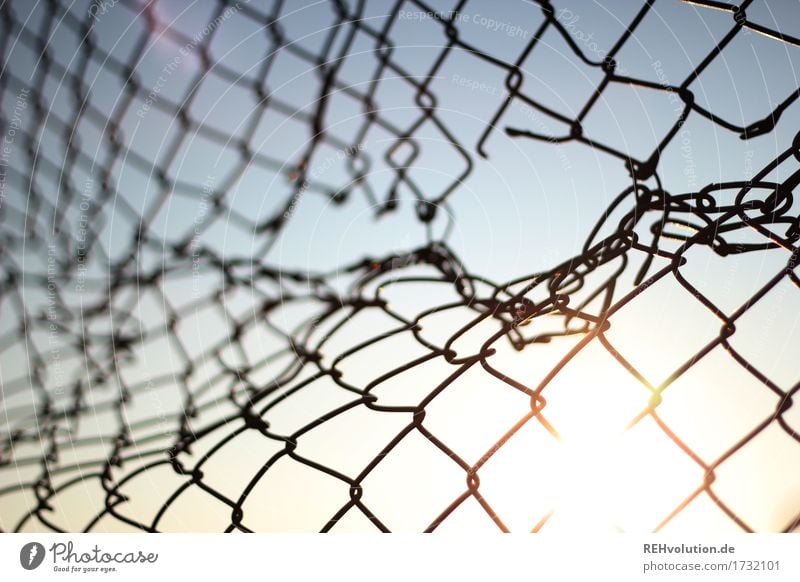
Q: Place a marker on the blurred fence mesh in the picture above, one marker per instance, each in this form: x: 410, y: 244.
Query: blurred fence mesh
x: 113, y: 413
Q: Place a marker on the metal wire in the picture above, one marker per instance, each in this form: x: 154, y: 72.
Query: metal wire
x: 51, y: 439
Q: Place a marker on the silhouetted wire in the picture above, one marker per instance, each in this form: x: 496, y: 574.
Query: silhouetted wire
x: 51, y: 435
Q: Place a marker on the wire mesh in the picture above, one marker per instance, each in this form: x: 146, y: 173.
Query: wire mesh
x: 114, y: 413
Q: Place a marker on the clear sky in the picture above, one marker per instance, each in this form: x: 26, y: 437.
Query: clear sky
x: 193, y: 126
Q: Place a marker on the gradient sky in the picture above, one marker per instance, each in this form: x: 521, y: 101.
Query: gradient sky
x: 524, y: 208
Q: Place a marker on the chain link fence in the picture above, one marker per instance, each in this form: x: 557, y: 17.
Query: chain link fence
x: 167, y: 374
